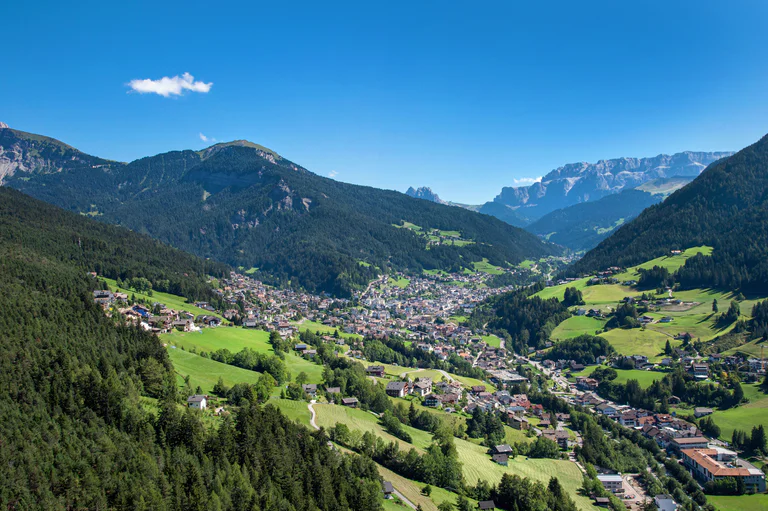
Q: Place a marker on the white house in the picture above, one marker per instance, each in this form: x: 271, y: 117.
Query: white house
x: 665, y: 503
x: 199, y: 402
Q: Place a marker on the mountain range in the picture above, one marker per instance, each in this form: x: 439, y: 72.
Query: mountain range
x: 726, y: 208
x: 573, y: 205
x: 247, y: 206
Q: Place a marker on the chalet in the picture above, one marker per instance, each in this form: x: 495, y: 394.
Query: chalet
x: 377, y: 371
x: 501, y: 459
x: 628, y: 419
x: 700, y: 371
x: 198, y: 402
x: 486, y: 504
x: 397, y: 388
x: 560, y: 437
x: 206, y: 320
x: 351, y: 402
x: 103, y: 297
x: 387, y: 489
x: 476, y: 389
x: 517, y: 422
x: 502, y: 449
x: 602, y: 501
x: 310, y: 388
x: 300, y: 347
x: 701, y: 411
x: 333, y: 390
x: 184, y: 325
x: 422, y: 387
x: 250, y: 323
x: 575, y: 366
x: 606, y: 409
x: 432, y: 400
x: 310, y: 353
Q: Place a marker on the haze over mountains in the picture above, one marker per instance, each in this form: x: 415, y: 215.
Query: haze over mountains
x: 245, y: 205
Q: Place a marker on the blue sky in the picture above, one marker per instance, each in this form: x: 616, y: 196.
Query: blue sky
x: 465, y: 97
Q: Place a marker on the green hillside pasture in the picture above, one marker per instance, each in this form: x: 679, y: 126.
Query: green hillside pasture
x: 753, y: 348
x: 174, y: 302
x: 295, y: 410
x: 745, y: 416
x: 401, y: 282
x: 485, y: 267
x: 757, y: 502
x: 645, y: 378
x: 360, y: 420
x: 315, y: 327
x: 204, y: 372
x: 235, y: 339
x: 412, y: 491
x: 212, y: 339
x: 671, y: 262
x: 476, y: 463
x: 594, y: 296
x: 423, y: 373
x: 576, y: 326
x: 637, y: 341
x: 492, y: 340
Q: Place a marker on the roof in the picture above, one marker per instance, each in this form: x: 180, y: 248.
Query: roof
x: 396, y: 385
x: 346, y: 400
x: 609, y: 478
x: 503, y: 448
x: 388, y: 488
x: 486, y: 504
x: 196, y: 399
x: 333, y: 390
x: 691, y: 440
x: 707, y: 458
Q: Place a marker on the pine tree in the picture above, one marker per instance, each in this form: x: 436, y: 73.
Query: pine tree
x: 714, y: 306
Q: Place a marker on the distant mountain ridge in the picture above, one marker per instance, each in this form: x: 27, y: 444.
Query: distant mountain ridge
x: 245, y: 205
x: 726, y: 207
x: 576, y: 183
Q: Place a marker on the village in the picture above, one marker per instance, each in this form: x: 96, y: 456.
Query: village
x: 426, y: 312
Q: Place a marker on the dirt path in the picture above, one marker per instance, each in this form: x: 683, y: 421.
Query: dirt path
x: 312, y: 414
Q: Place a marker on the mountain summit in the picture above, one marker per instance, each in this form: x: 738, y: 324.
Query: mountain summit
x: 426, y: 193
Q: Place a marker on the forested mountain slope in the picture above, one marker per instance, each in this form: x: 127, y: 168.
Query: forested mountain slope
x: 726, y: 207
x: 582, y: 226
x: 74, y: 433
x: 245, y: 205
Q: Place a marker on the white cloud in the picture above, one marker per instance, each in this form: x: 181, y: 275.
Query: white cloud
x: 526, y: 180
x: 166, y: 86
x: 203, y: 138
x: 333, y: 173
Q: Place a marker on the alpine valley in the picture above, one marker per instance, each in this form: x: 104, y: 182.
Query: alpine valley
x: 245, y: 205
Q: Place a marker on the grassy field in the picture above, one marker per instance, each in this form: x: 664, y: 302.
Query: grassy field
x: 314, y: 327
x: 485, y: 267
x: 576, y: 326
x: 745, y: 416
x: 205, y: 372
x: 178, y: 303
x: 492, y: 340
x: 329, y: 415
x: 235, y: 339
x: 400, y: 282
x: 757, y: 502
x: 671, y: 262
x: 645, y: 378
x: 412, y: 491
x: 294, y: 410
x: 476, y: 463
x: 638, y: 341
x: 594, y: 296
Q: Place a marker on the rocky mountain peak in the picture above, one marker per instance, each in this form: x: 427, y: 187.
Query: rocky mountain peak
x: 425, y: 193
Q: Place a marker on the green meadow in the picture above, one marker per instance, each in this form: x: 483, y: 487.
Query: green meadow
x: 745, y: 416
x: 475, y: 461
x: 644, y: 378
x: 235, y: 339
x: 576, y: 326
x: 204, y: 372
x: 757, y: 502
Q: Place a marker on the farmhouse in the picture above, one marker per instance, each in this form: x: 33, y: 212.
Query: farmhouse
x: 397, y: 388
x: 351, y: 402
x: 377, y: 371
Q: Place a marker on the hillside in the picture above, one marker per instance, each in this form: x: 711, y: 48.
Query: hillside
x: 726, y: 208
x: 85, y: 398
x: 583, y: 182
x: 244, y: 205
x: 582, y: 226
